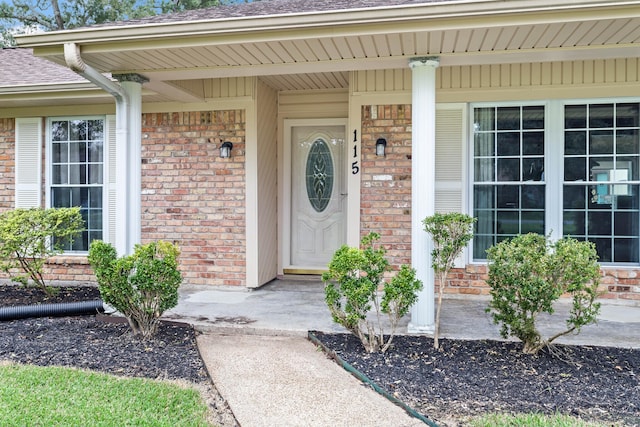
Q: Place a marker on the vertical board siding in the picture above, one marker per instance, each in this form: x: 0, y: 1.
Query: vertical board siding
x: 599, y: 71
x: 226, y: 87
x: 316, y: 104
x: 267, y: 103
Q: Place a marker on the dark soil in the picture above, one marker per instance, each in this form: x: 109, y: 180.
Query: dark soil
x: 101, y: 343
x: 467, y: 378
x: 463, y: 379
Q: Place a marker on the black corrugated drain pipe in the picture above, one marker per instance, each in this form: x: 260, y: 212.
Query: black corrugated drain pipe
x: 50, y: 310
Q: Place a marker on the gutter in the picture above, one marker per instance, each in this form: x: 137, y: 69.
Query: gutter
x: 74, y: 61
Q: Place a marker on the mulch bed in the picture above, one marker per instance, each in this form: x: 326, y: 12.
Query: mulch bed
x: 100, y: 343
x: 467, y: 378
x: 463, y: 379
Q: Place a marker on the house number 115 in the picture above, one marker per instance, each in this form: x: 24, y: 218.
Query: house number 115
x: 355, y: 168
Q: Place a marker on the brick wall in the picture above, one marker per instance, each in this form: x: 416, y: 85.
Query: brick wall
x: 7, y: 163
x: 193, y: 197
x: 385, y: 193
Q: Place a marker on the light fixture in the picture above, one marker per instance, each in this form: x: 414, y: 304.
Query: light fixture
x: 225, y: 149
x: 381, y: 143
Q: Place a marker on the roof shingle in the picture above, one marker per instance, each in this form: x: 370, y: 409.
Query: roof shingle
x: 20, y: 67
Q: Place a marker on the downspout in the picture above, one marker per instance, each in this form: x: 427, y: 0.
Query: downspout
x: 74, y: 61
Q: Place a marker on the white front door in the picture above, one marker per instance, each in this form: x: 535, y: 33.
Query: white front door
x: 318, y: 193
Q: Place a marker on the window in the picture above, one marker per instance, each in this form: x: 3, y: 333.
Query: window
x: 509, y: 187
x: 77, y: 172
x: 590, y: 189
x: 601, y: 177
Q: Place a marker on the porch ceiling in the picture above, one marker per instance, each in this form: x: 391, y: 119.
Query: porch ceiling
x: 319, y: 56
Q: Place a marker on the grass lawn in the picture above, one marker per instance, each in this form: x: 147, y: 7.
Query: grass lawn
x: 53, y: 396
x: 530, y: 420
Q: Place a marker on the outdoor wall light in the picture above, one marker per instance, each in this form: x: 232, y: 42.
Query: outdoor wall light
x: 381, y: 143
x: 225, y: 149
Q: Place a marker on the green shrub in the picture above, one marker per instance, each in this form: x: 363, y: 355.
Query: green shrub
x: 141, y: 286
x: 528, y: 273
x: 450, y: 233
x: 351, y: 291
x: 29, y: 237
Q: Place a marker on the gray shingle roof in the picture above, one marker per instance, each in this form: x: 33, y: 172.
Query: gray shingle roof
x: 19, y: 67
x: 267, y: 8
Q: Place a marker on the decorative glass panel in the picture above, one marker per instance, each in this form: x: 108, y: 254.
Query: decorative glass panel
x: 319, y: 175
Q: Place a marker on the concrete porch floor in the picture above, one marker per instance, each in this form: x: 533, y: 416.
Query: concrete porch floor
x: 294, y: 306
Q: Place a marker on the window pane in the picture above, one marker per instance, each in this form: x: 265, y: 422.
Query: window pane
x: 532, y: 222
x: 60, y: 197
x: 59, y: 153
x: 96, y: 132
x: 625, y: 223
x: 628, y: 115
x: 95, y: 197
x: 59, y: 131
x: 95, y: 151
x: 575, y: 116
x: 480, y: 246
x: 508, y: 196
x: 533, y: 117
x: 575, y: 169
x: 573, y: 223
x: 603, y: 247
x: 508, y: 223
x: 532, y: 169
x: 59, y: 174
x: 95, y: 174
x: 575, y: 143
x: 483, y: 144
x: 601, y: 142
x: 626, y: 250
x: 484, y: 119
x: 483, y: 170
x: 574, y: 197
x: 533, y: 196
x: 533, y: 143
x: 508, y: 118
x: 77, y: 174
x: 627, y: 142
x: 601, y: 116
x: 77, y: 152
x: 508, y: 144
x: 78, y: 130
x: 599, y: 223
x: 483, y: 196
x: 508, y: 169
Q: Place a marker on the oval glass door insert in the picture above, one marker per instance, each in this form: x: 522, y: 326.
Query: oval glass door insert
x: 319, y: 175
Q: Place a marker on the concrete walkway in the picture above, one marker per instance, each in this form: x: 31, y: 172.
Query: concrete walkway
x: 255, y: 348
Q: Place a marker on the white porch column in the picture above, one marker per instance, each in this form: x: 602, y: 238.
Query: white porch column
x: 423, y: 150
x: 129, y: 169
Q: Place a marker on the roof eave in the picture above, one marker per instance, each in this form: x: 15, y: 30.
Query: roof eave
x: 308, y: 20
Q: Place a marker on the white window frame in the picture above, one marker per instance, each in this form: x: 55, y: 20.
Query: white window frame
x: 553, y: 159
x: 105, y: 170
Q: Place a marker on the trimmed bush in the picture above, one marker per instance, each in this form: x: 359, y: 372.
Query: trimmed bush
x: 29, y: 237
x: 450, y: 233
x: 141, y: 286
x: 528, y: 273
x: 351, y: 292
